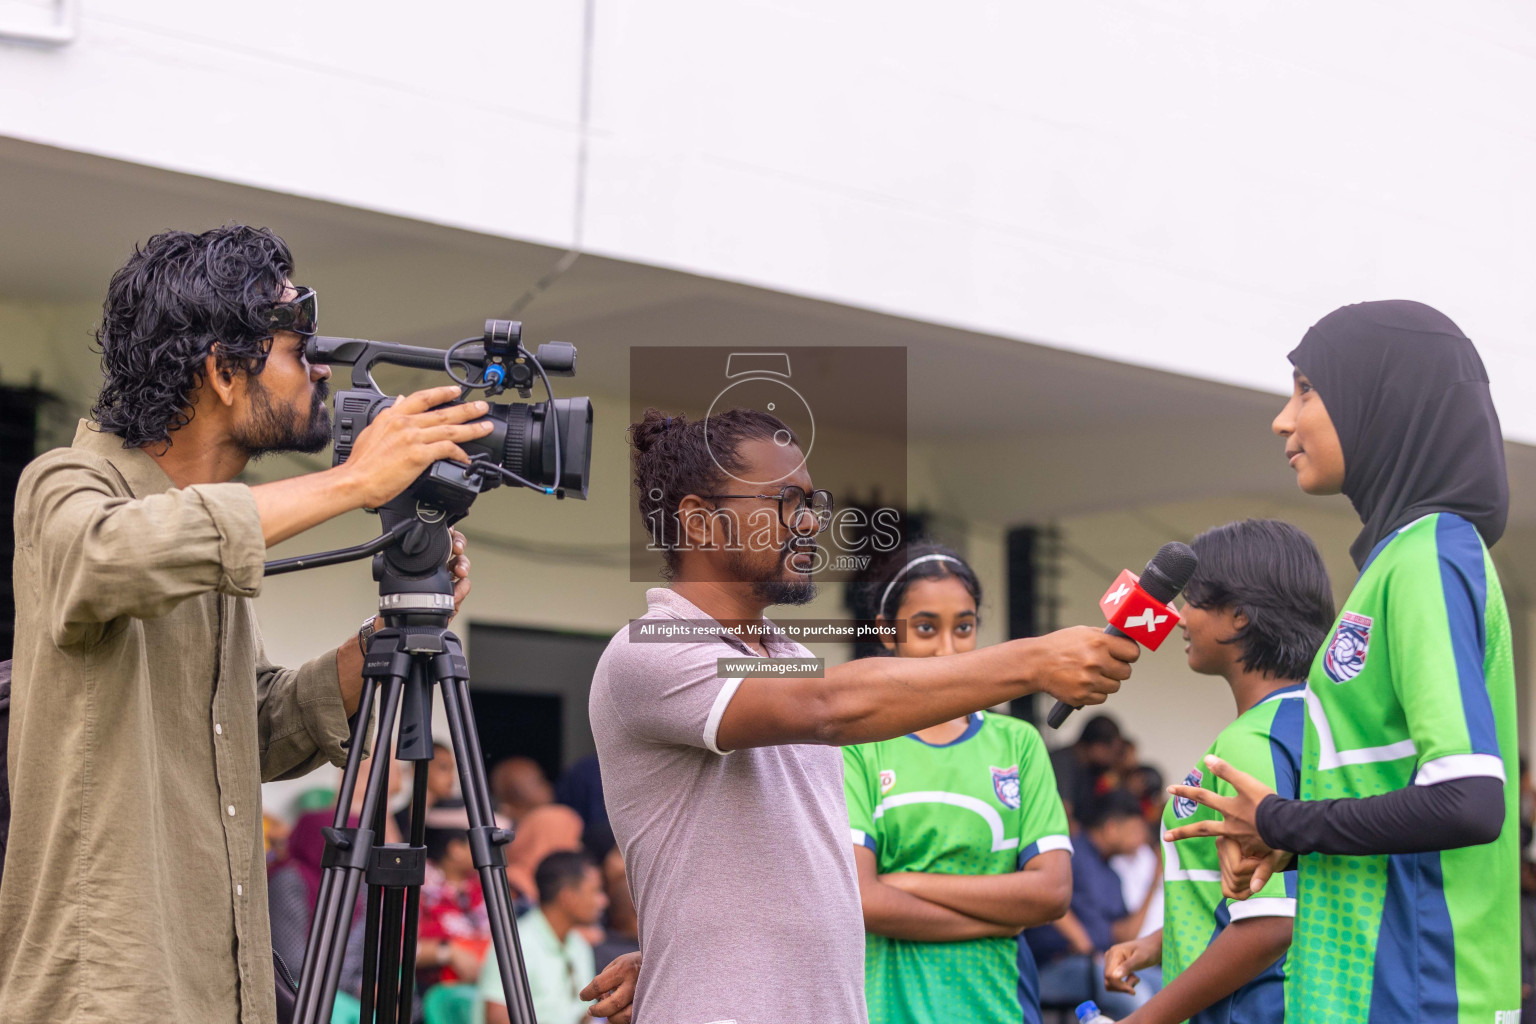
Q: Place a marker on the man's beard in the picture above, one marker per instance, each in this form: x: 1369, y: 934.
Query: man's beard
x: 776, y: 589
x: 268, y: 429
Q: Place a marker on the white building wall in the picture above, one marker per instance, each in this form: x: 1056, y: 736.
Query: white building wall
x: 1176, y: 184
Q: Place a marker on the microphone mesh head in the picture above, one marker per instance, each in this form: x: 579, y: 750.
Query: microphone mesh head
x: 1169, y: 571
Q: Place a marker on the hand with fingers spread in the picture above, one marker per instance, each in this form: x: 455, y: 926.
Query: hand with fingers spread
x: 407, y: 437
x: 1082, y: 665
x: 614, y: 989
x: 1238, y: 827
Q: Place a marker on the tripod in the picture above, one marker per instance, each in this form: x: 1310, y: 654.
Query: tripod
x: 414, y: 653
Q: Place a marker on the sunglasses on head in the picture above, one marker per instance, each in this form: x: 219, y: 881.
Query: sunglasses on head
x: 301, y: 314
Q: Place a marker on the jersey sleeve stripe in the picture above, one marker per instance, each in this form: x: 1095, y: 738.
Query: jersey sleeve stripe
x: 864, y: 839
x: 1045, y: 844
x: 1049, y: 843
x: 1260, y: 906
x: 1460, y: 766
x: 717, y: 712
x: 1464, y: 582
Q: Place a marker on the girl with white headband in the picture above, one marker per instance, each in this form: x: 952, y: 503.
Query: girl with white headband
x: 960, y: 838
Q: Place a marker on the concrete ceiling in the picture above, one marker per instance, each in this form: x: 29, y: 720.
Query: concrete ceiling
x: 1015, y: 431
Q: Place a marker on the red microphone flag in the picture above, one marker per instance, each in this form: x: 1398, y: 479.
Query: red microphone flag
x: 1136, y: 613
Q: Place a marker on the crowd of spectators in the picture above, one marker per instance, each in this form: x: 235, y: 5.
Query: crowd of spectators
x: 1114, y: 804
x: 566, y: 875
x: 575, y: 913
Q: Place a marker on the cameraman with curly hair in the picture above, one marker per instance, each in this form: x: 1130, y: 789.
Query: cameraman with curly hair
x: 145, y: 715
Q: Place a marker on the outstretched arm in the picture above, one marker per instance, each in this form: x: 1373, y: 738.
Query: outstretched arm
x: 390, y: 452
x: 882, y: 698
x: 1443, y: 816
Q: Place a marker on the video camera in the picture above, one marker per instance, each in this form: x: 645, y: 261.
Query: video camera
x: 543, y: 445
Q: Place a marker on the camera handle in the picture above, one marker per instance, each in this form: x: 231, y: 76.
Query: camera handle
x: 278, y: 566
x: 362, y: 354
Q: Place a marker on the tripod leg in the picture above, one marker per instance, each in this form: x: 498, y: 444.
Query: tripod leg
x: 343, y: 805
x: 418, y: 837
x: 389, y: 954
x: 498, y: 892
x: 375, y: 900
x: 334, y: 919
x: 374, y: 897
x: 493, y: 880
x: 354, y: 755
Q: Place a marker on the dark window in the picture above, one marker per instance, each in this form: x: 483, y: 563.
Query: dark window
x: 19, y: 409
x: 529, y: 688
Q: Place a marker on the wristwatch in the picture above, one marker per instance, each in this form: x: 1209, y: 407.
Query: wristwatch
x: 365, y: 633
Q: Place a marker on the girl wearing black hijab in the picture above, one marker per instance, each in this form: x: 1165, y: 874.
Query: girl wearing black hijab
x: 1408, y: 869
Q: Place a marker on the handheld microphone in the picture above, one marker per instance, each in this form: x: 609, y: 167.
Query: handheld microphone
x: 1139, y: 603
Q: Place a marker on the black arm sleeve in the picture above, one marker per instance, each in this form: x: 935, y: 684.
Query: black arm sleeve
x: 1414, y: 819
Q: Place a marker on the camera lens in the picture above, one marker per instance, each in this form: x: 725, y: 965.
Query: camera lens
x: 524, y: 441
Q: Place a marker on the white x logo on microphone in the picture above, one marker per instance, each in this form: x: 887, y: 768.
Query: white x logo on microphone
x: 1118, y: 594
x: 1148, y: 618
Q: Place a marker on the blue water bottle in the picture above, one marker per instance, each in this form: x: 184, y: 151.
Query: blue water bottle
x: 1088, y: 1013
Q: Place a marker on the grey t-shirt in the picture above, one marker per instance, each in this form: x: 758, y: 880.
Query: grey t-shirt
x: 739, y: 861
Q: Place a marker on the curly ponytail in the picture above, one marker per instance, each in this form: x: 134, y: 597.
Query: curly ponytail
x: 672, y: 460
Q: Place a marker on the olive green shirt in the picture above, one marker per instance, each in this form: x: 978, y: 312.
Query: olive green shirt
x: 144, y: 719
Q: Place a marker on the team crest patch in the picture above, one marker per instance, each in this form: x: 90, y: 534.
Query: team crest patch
x: 887, y: 780
x: 1183, y: 806
x: 1005, y: 783
x: 1344, y: 657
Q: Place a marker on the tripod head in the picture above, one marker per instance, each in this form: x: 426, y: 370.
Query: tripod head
x: 415, y: 586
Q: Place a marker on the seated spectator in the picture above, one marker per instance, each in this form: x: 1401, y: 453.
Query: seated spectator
x: 543, y: 831
x: 1080, y: 767
x: 518, y: 785
x: 621, y: 933
x: 1141, y: 871
x: 557, y: 958
x: 580, y: 787
x: 1141, y: 884
x: 293, y: 881
x: 455, y: 929
x: 1069, y: 952
x: 442, y: 782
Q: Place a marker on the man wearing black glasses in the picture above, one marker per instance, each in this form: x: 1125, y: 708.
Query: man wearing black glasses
x: 144, y: 713
x: 720, y: 771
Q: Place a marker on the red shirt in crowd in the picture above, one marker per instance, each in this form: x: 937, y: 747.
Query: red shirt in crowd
x: 454, y: 912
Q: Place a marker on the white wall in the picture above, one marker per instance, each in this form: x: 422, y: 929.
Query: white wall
x: 1180, y: 185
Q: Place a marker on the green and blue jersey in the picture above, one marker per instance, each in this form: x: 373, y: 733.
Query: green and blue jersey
x: 1414, y: 686
x: 1265, y: 741
x: 985, y: 803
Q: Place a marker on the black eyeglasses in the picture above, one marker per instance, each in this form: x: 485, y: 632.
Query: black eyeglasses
x: 300, y: 314
x: 797, y: 509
